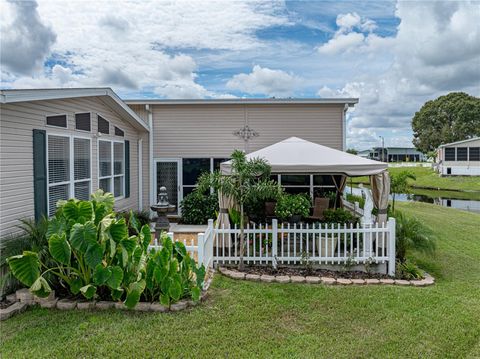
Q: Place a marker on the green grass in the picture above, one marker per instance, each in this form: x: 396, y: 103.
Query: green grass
x: 427, y: 178
x: 245, y: 319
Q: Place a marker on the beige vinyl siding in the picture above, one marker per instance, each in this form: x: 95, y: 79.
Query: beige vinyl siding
x: 16, y: 148
x: 181, y: 131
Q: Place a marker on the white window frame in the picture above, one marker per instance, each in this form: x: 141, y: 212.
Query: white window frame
x: 71, y: 182
x: 112, y: 175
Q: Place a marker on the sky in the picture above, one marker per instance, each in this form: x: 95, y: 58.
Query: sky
x: 392, y: 55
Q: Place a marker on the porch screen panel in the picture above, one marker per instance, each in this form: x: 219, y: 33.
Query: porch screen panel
x: 450, y: 154
x: 474, y: 153
x: 58, y: 170
x: 105, y: 165
x: 462, y: 153
x: 118, y: 169
x: 167, y: 176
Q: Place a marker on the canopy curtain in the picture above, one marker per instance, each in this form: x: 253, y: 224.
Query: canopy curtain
x: 224, y: 204
x: 380, y: 184
x: 340, y: 186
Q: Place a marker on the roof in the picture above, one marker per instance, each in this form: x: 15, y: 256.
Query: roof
x: 246, y: 101
x: 295, y: 155
x: 459, y: 142
x: 110, y: 98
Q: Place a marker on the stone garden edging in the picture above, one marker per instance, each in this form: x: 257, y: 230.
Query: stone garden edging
x: 23, y: 298
x: 235, y: 274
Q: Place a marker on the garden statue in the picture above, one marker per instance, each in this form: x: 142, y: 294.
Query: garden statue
x: 162, y: 208
x: 367, y: 217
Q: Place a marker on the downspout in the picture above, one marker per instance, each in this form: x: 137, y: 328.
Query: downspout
x: 140, y: 174
x: 150, y: 154
x: 344, y: 127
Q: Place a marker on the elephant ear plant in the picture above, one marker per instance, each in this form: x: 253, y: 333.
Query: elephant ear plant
x: 172, y: 274
x: 93, y: 255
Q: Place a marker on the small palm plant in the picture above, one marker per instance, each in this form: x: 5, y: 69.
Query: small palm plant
x: 399, y: 184
x: 248, y: 179
x: 411, y: 234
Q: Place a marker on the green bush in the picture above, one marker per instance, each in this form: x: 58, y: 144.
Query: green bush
x: 135, y: 219
x: 289, y: 205
x: 198, y: 208
x: 172, y: 274
x: 408, y: 270
x: 352, y: 198
x: 338, y: 215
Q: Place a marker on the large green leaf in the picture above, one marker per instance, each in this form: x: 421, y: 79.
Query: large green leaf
x: 164, y: 257
x: 116, y: 278
x: 129, y: 244
x: 25, y: 267
x: 75, y: 285
x: 147, y: 236
x: 101, y: 274
x: 116, y: 294
x: 196, y: 294
x: 56, y: 226
x: 165, y: 285
x: 79, y: 211
x: 175, y: 290
x: 165, y: 299
x: 105, y: 199
x: 40, y: 288
x: 88, y: 291
x: 167, y: 243
x: 173, y: 266
x: 160, y: 273
x: 82, y: 235
x: 180, y: 249
x: 94, y: 255
x: 134, y: 292
x: 60, y: 248
x: 118, y: 230
x: 133, y: 221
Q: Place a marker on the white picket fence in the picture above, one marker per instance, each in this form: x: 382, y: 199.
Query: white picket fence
x: 293, y: 244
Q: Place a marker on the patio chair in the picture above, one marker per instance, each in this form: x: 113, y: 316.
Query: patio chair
x: 320, y: 205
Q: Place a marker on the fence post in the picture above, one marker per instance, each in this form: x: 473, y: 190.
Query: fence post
x: 200, y: 246
x: 274, y: 242
x: 208, y: 249
x: 391, y: 246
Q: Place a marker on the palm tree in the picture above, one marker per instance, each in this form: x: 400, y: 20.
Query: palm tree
x: 248, y: 179
x: 411, y: 234
x: 399, y: 184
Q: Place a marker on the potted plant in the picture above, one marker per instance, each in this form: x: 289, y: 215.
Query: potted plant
x: 292, y: 207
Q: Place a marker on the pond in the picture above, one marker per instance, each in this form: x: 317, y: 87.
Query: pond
x: 467, y: 201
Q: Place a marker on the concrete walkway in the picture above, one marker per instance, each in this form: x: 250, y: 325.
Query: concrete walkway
x: 187, y: 228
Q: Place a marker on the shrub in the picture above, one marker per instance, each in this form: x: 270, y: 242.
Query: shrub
x: 289, y: 205
x: 198, y: 208
x: 135, y: 219
x: 408, y: 270
x: 411, y: 234
x: 32, y: 238
x: 172, y: 274
x: 338, y: 215
x: 92, y: 253
x: 352, y: 198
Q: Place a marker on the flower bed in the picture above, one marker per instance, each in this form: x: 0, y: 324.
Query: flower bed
x: 289, y: 275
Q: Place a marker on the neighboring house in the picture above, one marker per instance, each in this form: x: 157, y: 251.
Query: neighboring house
x: 394, y: 154
x: 63, y: 143
x: 193, y: 136
x: 461, y: 158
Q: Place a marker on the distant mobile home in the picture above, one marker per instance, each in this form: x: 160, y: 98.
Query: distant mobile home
x: 461, y: 158
x: 63, y: 143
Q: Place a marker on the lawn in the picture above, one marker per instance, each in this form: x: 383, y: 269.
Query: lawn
x: 245, y: 319
x: 427, y: 178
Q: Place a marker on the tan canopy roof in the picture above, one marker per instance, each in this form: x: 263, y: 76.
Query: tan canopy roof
x: 295, y: 155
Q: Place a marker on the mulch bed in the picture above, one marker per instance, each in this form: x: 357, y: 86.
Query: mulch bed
x: 314, y: 272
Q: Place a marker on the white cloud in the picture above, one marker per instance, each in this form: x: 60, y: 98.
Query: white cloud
x: 263, y: 80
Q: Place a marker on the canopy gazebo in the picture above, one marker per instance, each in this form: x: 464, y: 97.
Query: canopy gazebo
x: 295, y: 155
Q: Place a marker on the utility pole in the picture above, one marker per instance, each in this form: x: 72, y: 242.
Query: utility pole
x: 383, y: 148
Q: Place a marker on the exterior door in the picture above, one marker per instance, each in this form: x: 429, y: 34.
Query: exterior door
x: 168, y: 175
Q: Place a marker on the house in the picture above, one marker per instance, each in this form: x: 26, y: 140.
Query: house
x: 461, y: 158
x: 394, y: 154
x: 63, y: 143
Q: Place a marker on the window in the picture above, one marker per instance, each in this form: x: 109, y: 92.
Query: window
x: 103, y: 125
x: 462, y: 153
x: 57, y: 121
x: 450, y: 154
x: 474, y: 154
x: 192, y: 168
x: 217, y: 162
x: 69, y: 172
x: 111, y: 167
x: 119, y: 132
x: 82, y: 121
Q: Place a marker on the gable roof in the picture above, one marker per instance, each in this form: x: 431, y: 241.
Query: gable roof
x: 295, y: 155
x: 459, y: 142
x: 106, y: 94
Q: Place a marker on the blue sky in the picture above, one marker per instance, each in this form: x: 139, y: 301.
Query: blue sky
x: 393, y: 55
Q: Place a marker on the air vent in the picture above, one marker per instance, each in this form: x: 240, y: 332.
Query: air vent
x: 82, y: 121
x: 103, y: 125
x: 57, y: 121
